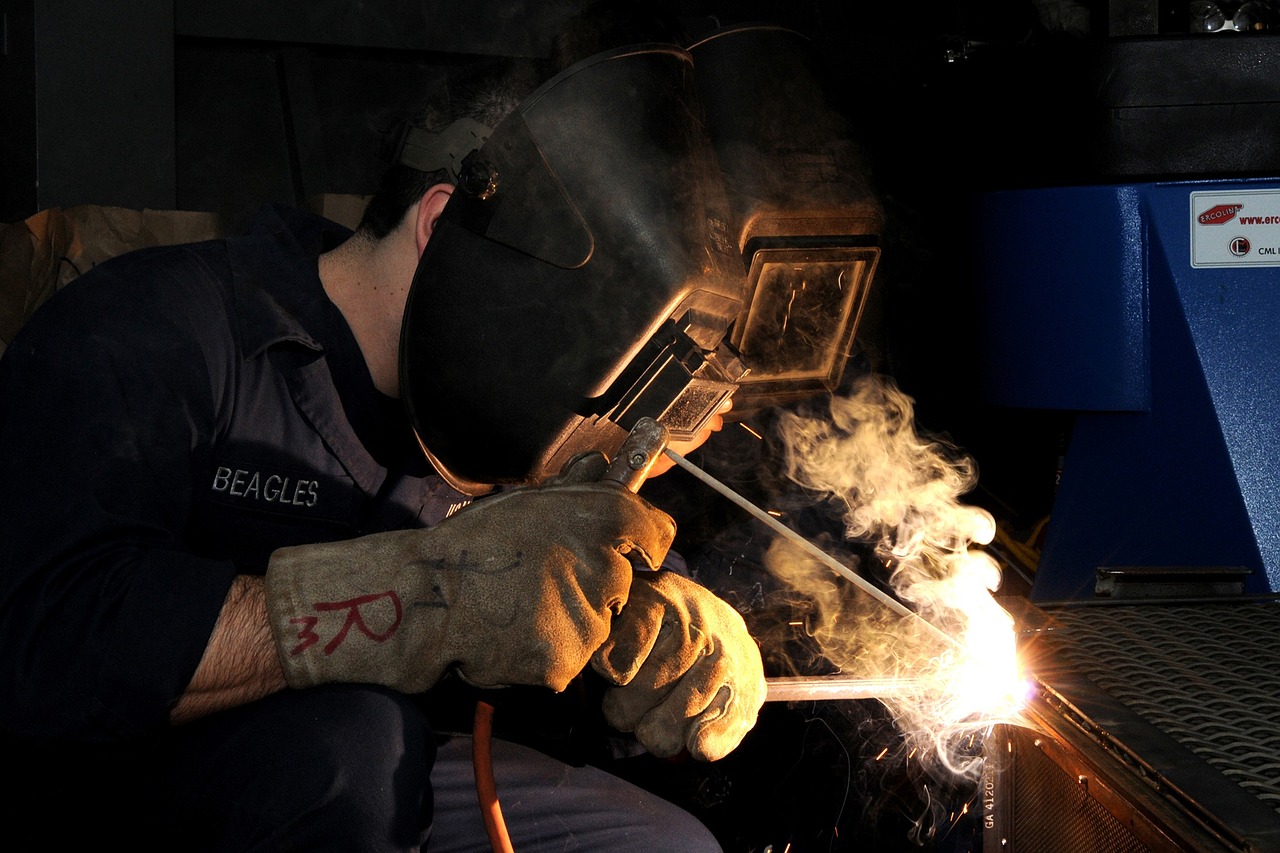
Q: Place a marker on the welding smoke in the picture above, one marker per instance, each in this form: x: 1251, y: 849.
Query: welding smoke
x: 899, y: 491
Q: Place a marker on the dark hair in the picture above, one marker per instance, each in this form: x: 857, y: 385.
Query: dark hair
x: 486, y: 92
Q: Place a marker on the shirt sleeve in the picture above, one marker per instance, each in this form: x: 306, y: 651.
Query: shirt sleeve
x: 106, y: 399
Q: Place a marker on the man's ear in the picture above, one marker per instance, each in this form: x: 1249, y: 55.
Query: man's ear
x: 429, y: 209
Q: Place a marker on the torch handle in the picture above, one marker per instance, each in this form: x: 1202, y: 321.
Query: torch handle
x: 642, y: 447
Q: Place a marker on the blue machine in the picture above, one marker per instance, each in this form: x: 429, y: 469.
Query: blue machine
x: 1152, y: 311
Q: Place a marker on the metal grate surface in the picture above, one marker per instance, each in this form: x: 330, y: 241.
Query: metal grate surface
x: 1053, y: 813
x: 1206, y: 675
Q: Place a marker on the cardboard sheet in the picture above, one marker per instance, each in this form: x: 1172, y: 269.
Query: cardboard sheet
x: 41, y: 254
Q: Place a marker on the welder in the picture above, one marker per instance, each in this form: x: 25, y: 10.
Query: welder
x: 229, y: 571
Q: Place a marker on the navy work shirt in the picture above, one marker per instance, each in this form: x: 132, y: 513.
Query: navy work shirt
x: 166, y: 422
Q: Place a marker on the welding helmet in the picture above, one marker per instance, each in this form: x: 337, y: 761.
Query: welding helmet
x: 581, y: 276
x: 807, y: 222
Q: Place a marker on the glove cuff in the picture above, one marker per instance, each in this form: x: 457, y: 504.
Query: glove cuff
x: 338, y: 614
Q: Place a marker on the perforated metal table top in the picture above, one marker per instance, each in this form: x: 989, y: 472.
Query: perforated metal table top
x: 1197, y: 679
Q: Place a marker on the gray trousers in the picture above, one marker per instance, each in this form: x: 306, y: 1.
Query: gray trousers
x: 550, y: 806
x: 350, y: 768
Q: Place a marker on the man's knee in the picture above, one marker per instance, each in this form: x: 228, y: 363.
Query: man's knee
x: 372, y: 767
x: 340, y: 767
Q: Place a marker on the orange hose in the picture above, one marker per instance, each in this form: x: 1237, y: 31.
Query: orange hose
x: 486, y: 790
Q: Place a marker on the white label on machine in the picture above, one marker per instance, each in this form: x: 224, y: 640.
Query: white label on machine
x: 1235, y: 229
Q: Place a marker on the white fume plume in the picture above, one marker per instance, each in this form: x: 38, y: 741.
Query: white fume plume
x: 901, y: 493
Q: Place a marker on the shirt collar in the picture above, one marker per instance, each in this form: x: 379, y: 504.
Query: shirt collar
x: 275, y: 267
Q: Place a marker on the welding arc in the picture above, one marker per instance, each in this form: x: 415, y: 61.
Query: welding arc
x: 808, y: 547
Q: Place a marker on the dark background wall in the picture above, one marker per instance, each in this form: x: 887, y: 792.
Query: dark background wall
x: 221, y: 105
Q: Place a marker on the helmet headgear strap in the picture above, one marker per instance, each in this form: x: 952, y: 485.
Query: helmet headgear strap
x: 421, y: 149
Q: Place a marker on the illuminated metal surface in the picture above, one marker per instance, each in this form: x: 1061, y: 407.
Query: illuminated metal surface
x: 1203, y: 674
x: 1165, y: 713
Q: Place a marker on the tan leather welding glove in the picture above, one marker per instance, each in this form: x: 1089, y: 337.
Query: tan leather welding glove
x: 518, y: 588
x: 690, y: 675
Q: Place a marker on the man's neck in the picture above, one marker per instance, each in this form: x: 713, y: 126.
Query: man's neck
x: 368, y: 280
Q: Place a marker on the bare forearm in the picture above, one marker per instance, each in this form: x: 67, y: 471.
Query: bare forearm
x: 240, y: 663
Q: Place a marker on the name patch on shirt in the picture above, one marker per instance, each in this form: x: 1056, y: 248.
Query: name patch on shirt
x: 270, y: 488
x: 255, y: 487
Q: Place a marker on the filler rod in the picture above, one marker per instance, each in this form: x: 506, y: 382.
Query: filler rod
x: 799, y: 688
x: 805, y: 545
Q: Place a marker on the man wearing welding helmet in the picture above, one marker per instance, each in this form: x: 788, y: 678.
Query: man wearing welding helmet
x: 228, y: 572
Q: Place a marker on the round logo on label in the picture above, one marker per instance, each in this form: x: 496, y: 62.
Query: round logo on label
x: 1239, y: 247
